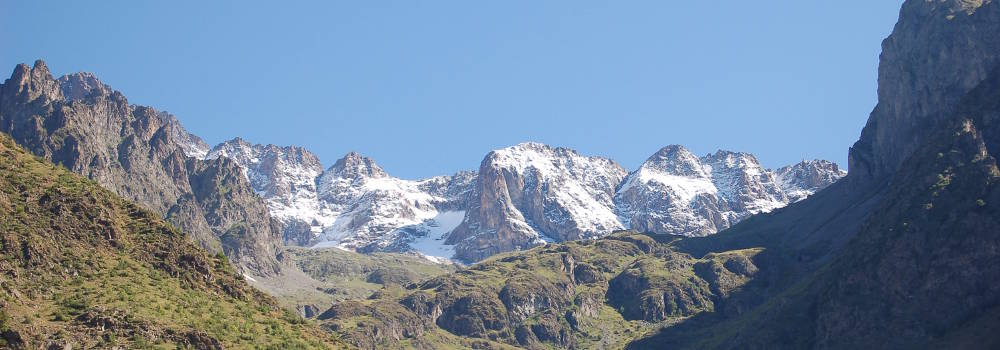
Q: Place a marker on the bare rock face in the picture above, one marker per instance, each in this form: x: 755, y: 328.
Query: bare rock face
x: 531, y: 192
x: 337, y: 185
x: 135, y: 151
x: 285, y: 177
x: 938, y: 51
x: 192, y: 145
x: 898, y: 254
x: 78, y: 86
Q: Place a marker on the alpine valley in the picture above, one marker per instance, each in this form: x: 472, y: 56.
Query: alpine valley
x: 121, y: 229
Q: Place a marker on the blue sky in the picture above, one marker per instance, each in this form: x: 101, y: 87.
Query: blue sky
x: 429, y: 87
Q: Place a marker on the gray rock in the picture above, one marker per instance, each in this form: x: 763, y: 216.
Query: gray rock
x: 531, y: 192
x: 134, y: 151
x: 938, y: 52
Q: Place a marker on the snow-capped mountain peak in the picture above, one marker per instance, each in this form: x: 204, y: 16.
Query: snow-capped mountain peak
x: 806, y: 177
x: 354, y: 166
x: 350, y: 178
x: 676, y: 160
x: 286, y: 178
x: 744, y: 183
x: 522, y: 196
x: 354, y: 204
x: 530, y: 193
x: 373, y: 211
x: 674, y: 192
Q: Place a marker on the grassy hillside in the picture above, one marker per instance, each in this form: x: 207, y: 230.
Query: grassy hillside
x: 321, y: 277
x: 592, y: 294
x: 80, y: 266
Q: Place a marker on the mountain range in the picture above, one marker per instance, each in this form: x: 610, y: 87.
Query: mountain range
x: 520, y: 197
x: 566, y: 250
x: 896, y: 255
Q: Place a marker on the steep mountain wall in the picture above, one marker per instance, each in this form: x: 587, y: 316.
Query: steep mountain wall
x: 133, y: 150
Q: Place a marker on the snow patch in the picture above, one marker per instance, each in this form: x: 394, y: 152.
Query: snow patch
x: 431, y: 245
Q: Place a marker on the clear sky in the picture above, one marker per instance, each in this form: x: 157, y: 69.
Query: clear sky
x: 429, y: 87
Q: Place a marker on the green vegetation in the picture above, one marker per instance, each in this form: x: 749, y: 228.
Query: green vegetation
x: 325, y: 276
x: 359, y: 275
x: 915, y: 271
x: 584, y: 294
x: 81, y: 266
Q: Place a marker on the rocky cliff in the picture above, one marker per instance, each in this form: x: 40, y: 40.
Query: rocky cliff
x: 938, y: 52
x: 916, y: 272
x: 898, y: 255
x: 285, y: 177
x: 530, y: 193
x: 139, y: 153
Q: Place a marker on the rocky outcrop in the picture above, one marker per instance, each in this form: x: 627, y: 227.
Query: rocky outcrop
x: 579, y: 294
x: 938, y: 52
x: 78, y: 86
x: 286, y: 178
x: 192, y: 145
x: 530, y: 193
x: 640, y: 292
x: 134, y: 151
x: 895, y: 255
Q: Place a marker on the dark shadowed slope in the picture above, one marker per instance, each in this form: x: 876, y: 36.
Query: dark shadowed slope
x: 920, y: 272
x: 900, y: 254
x: 913, y: 267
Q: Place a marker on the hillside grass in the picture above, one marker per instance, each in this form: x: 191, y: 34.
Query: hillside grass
x: 563, y: 295
x: 81, y: 266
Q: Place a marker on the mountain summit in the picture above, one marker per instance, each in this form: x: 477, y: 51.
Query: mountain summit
x: 521, y: 196
x: 353, y: 165
x: 140, y: 154
x: 676, y: 192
